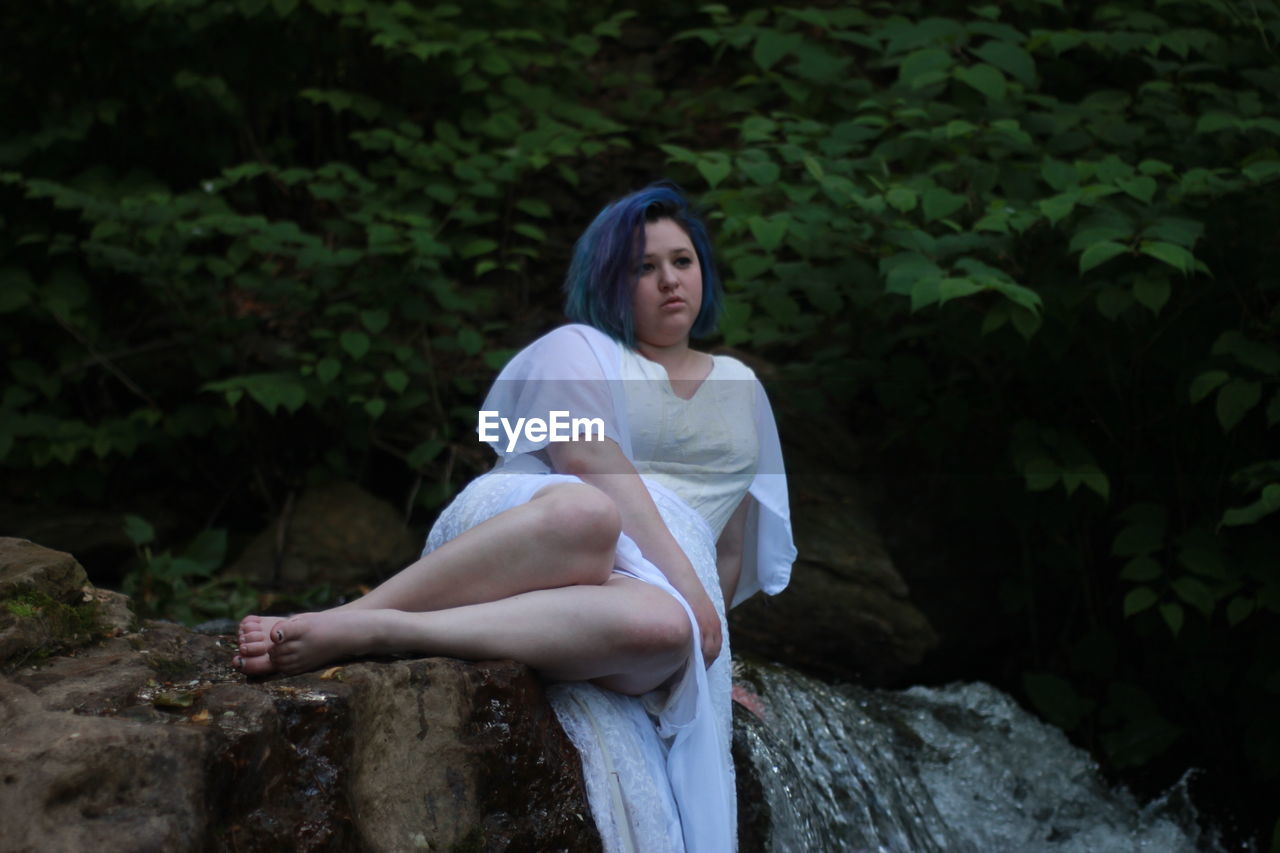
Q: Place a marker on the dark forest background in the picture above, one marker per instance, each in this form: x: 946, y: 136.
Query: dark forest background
x: 1026, y: 250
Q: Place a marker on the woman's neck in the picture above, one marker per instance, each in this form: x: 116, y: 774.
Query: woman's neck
x: 672, y: 357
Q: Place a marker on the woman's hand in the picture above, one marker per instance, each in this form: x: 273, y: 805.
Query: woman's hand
x: 704, y: 613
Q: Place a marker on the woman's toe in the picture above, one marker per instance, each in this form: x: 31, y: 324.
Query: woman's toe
x: 257, y: 665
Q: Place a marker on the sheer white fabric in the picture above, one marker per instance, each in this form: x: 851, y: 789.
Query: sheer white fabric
x: 703, y: 448
x: 658, y: 770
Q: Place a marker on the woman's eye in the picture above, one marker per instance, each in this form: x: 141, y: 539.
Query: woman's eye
x: 684, y: 262
x: 646, y: 268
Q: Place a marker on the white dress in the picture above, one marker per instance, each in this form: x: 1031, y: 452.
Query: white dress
x: 658, y: 771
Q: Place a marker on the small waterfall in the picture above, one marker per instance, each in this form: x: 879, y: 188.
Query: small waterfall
x: 958, y: 769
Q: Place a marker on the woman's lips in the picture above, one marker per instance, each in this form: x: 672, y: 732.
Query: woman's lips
x: 675, y: 300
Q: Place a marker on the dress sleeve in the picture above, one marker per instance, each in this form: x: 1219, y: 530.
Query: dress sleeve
x: 769, y: 550
x: 564, y: 379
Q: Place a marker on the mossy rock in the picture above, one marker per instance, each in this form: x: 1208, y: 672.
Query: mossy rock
x: 46, y: 604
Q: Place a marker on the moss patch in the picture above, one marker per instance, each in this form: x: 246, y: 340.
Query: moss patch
x: 40, y: 626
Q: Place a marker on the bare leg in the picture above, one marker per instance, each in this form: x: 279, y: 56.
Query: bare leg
x: 565, y: 535
x: 575, y: 633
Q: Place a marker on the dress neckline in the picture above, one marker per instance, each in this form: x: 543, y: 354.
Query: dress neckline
x: 666, y: 376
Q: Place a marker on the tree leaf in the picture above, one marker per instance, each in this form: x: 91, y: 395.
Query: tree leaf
x: 902, y: 198
x: 1175, y: 256
x: 1138, y: 539
x: 748, y: 267
x: 139, y: 530
x: 1194, y: 592
x: 1026, y: 321
x: 1010, y: 58
x: 1112, y: 302
x: 355, y: 343
x: 1262, y: 170
x: 923, y: 67
x: 1141, y: 187
x: 1239, y: 609
x: 1235, y: 400
x: 1139, y: 599
x: 1041, y: 473
x: 1141, y: 569
x: 1058, y: 207
x: 1059, y: 175
x: 470, y: 341
x: 375, y: 321
x: 327, y: 369
x: 985, y: 78
x: 272, y: 390
x: 772, y: 45
x: 1268, y: 502
x: 476, y: 247
x: 1100, y: 253
x: 770, y: 232
x: 714, y: 167
x: 1203, y: 384
x: 1172, y: 614
x: 1214, y: 121
x: 534, y: 207
x: 1152, y: 291
x: 397, y: 380
x: 764, y: 172
x: 1255, y: 354
x: 208, y: 550
x: 813, y: 167
x: 1175, y: 229
x: 938, y: 203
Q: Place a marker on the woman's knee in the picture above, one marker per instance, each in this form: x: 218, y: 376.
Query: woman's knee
x: 581, y: 518
x: 660, y: 631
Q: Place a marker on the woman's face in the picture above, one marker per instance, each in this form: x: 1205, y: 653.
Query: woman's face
x: 668, y: 291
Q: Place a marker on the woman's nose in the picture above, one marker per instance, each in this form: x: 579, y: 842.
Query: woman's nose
x: 666, y: 277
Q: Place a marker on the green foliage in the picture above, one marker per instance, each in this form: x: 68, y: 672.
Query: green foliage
x: 183, y: 586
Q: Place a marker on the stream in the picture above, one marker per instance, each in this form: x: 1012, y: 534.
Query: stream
x: 956, y: 769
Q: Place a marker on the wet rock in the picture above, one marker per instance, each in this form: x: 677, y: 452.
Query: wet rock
x: 336, y: 533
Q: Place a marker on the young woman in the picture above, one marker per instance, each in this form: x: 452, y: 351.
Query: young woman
x: 605, y: 562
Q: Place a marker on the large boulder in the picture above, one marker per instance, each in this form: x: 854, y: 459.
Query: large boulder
x: 333, y: 533
x: 149, y: 740
x: 847, y: 612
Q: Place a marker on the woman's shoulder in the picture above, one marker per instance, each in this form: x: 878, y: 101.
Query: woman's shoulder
x: 572, y: 351
x: 728, y: 367
x: 575, y: 333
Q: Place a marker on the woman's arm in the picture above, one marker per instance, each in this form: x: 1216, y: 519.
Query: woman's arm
x: 729, y: 550
x: 602, y: 464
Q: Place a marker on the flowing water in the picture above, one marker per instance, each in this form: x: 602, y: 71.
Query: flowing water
x: 958, y: 769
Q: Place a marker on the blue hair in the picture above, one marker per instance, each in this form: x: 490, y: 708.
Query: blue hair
x: 602, y: 275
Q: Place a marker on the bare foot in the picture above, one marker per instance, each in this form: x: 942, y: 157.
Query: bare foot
x: 255, y: 645
x: 310, y: 640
